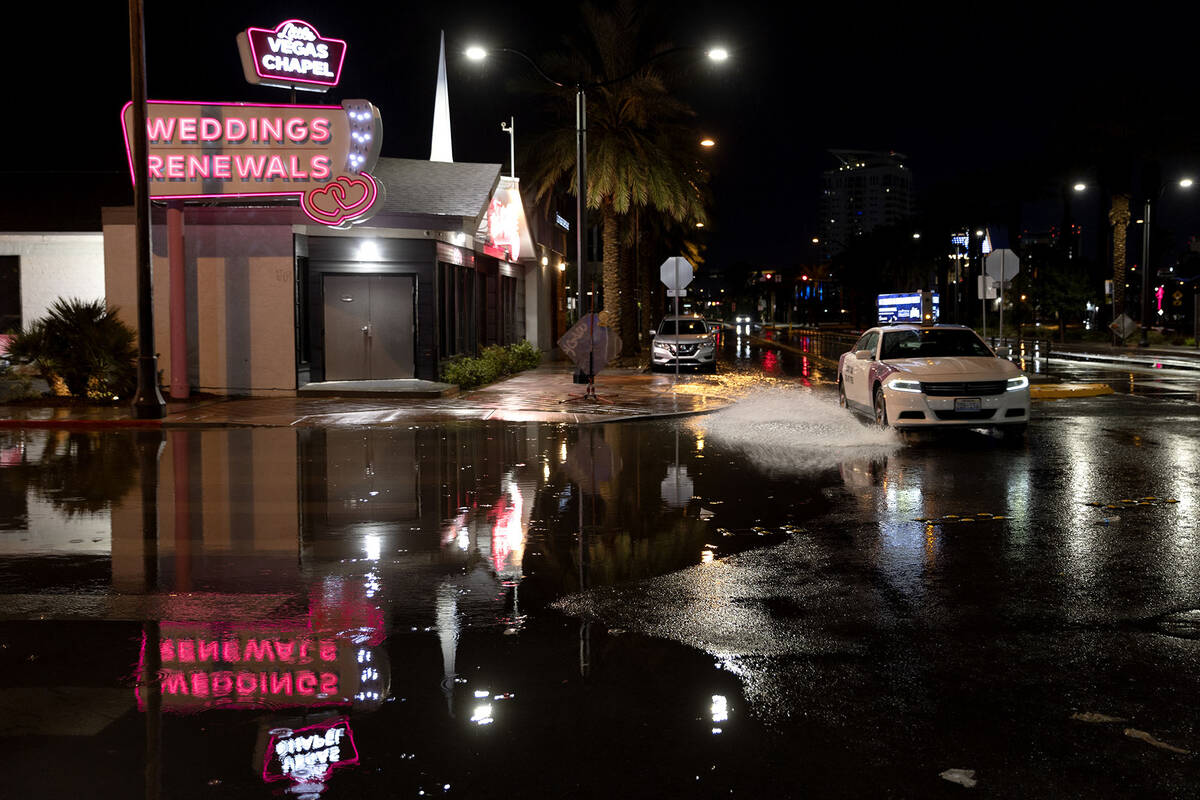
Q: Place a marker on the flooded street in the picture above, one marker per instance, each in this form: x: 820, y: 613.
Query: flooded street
x: 772, y: 600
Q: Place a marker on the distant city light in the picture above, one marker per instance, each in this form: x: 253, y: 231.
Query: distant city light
x: 1079, y: 187
x: 708, y: 142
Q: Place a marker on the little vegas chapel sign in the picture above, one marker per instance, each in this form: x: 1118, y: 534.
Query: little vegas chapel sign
x: 320, y: 154
x: 292, y: 55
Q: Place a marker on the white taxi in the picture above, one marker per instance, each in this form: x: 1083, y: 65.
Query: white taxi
x: 926, y: 376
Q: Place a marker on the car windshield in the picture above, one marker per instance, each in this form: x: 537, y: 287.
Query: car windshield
x: 932, y: 344
x: 685, y: 327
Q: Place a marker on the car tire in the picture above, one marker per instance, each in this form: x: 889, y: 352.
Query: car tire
x: 841, y: 393
x: 881, y: 418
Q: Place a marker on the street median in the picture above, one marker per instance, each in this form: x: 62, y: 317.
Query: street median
x: 1059, y: 391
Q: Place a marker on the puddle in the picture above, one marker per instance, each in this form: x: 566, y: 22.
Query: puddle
x: 325, y: 609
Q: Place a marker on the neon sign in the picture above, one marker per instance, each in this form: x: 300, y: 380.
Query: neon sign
x: 309, y: 753
x: 504, y: 228
x: 319, y: 154
x: 292, y: 55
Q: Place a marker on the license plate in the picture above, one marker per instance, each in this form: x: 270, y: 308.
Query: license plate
x: 967, y: 404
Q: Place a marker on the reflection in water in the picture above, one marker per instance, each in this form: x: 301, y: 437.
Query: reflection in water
x: 278, y: 572
x: 307, y: 756
x: 448, y: 629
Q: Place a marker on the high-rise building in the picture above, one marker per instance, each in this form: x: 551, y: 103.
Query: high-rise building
x: 865, y: 191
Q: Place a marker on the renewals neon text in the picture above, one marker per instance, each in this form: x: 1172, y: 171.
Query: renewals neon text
x: 235, y: 130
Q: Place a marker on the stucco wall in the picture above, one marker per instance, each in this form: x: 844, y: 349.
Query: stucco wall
x: 240, y: 300
x: 55, y: 265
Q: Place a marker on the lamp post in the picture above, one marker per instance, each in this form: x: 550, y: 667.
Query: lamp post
x: 148, y: 403
x: 477, y: 53
x: 1184, y: 183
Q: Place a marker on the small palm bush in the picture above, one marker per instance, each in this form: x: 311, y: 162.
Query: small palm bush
x: 82, y: 345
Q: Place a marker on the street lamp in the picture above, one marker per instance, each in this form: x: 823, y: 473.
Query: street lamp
x: 478, y: 53
x: 1184, y: 183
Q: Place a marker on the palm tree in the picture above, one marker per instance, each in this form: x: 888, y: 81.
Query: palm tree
x: 634, y: 158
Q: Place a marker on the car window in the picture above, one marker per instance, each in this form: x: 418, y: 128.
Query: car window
x: 684, y: 327
x: 868, y: 342
x: 861, y: 344
x: 932, y: 344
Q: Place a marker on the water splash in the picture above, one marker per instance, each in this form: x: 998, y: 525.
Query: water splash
x: 795, y: 430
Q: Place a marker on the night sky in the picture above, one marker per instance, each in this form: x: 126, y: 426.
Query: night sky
x: 989, y: 103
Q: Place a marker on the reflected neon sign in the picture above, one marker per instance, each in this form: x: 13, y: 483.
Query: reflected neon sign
x: 204, y: 668
x: 309, y: 753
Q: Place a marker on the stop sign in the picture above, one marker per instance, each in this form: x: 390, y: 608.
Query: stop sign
x: 1002, y: 265
x: 676, y: 272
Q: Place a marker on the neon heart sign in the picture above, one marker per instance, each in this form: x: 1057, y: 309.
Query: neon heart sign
x: 321, y: 155
x: 341, y: 201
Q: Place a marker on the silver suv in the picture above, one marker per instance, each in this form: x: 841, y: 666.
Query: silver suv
x: 688, y: 341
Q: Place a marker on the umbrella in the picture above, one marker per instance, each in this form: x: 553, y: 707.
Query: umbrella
x: 590, y: 344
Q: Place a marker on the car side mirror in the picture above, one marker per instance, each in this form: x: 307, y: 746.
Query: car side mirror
x: 863, y: 355
x: 652, y: 332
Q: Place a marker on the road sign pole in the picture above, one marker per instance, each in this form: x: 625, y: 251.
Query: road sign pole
x: 1000, y: 330
x: 983, y: 293
x: 675, y: 382
x: 676, y: 273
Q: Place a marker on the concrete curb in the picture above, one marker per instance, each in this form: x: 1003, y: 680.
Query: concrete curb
x: 81, y: 424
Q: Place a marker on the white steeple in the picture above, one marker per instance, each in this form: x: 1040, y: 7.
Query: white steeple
x: 442, y: 149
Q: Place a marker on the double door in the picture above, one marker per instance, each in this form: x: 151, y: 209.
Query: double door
x: 369, y: 332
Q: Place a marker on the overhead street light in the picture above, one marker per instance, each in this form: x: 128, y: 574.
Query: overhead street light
x: 1183, y: 183
x: 479, y: 53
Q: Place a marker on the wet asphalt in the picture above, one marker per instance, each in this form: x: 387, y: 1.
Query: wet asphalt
x: 772, y: 600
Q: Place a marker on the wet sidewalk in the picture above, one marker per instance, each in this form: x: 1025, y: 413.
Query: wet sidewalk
x: 545, y: 394
x: 1162, y: 357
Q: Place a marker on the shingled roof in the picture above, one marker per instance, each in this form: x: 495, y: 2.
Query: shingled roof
x: 439, y: 188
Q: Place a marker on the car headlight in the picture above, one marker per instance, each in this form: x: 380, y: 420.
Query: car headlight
x: 901, y: 385
x: 1016, y: 384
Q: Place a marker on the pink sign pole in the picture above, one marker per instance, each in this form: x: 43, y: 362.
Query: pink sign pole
x: 178, y: 295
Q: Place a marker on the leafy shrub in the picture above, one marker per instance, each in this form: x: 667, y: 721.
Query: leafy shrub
x: 83, y: 346
x: 524, y: 356
x: 493, y: 362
